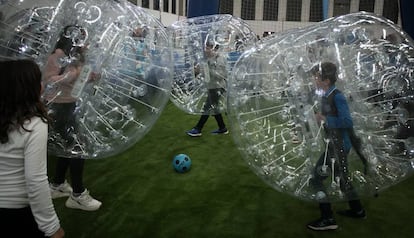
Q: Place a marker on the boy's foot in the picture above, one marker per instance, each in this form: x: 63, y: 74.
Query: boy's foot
x: 194, y: 132
x: 323, y: 224
x: 223, y: 131
x: 352, y: 213
x: 84, y: 202
x: 61, y: 190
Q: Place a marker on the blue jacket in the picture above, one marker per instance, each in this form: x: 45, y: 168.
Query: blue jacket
x: 342, y: 119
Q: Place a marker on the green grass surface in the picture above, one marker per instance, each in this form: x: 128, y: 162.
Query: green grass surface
x: 219, y: 197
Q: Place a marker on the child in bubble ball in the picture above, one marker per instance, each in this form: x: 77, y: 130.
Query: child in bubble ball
x: 216, y: 88
x: 62, y: 70
x: 337, y: 122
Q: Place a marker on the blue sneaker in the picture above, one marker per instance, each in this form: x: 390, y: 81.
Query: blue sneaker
x: 194, y: 132
x: 223, y: 131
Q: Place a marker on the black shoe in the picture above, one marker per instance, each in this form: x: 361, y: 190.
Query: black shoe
x: 323, y: 224
x: 352, y: 213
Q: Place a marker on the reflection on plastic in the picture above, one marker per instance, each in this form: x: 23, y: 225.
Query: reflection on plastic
x: 272, y: 100
x: 205, y: 51
x: 121, y: 80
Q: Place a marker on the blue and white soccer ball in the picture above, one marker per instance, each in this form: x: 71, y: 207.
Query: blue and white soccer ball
x: 181, y: 163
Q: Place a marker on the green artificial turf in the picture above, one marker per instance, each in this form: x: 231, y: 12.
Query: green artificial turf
x: 219, y: 197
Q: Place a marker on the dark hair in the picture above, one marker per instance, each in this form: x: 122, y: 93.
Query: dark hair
x: 19, y: 95
x: 326, y: 70
x: 66, y: 43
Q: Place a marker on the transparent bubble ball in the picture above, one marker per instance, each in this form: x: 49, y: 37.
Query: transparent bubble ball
x: 107, y: 70
x: 205, y: 50
x: 272, y: 100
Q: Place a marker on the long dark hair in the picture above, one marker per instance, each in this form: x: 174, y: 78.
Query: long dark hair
x: 20, y: 93
x: 69, y: 45
x: 70, y: 42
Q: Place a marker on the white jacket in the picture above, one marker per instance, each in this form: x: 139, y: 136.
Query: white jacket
x: 23, y: 174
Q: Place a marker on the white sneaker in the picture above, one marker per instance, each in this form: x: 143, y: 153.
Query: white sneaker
x: 84, y: 202
x: 62, y: 190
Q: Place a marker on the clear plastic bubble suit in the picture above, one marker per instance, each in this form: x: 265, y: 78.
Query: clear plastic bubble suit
x: 205, y: 51
x: 272, y: 98
x: 108, y: 82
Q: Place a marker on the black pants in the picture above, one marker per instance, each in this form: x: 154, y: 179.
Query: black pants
x: 63, y: 123
x: 340, y: 169
x: 75, y: 166
x: 203, y: 119
x: 18, y: 223
x: 211, y: 108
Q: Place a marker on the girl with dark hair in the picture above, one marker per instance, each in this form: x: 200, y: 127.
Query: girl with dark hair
x: 62, y: 70
x: 26, y: 208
